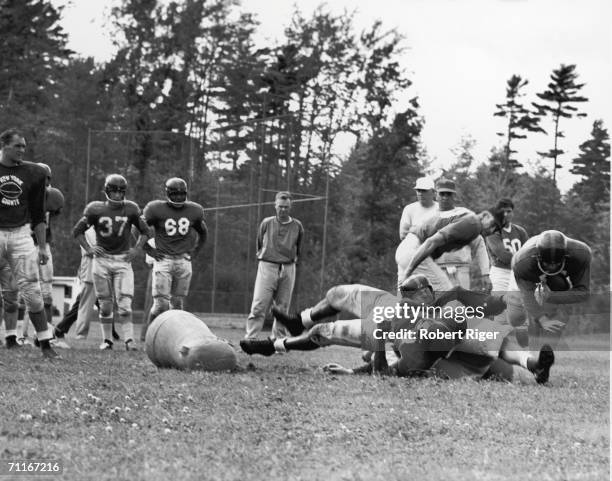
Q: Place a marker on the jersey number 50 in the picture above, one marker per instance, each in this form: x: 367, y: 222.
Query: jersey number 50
x: 173, y: 226
x: 512, y: 245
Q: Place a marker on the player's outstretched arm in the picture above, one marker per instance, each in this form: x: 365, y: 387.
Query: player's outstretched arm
x: 423, y: 252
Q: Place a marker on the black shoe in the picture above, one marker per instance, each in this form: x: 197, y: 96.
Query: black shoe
x: 11, y: 343
x: 57, y: 333
x: 47, y: 351
x: 265, y: 347
x: 545, y: 360
x: 293, y: 322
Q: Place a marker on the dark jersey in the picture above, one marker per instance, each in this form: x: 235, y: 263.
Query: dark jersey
x: 175, y: 228
x: 53, y: 209
x: 577, y: 268
x: 456, y: 231
x: 503, y: 245
x: 112, y: 224
x: 22, y: 195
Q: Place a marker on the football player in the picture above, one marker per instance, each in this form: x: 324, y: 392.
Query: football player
x: 438, y: 235
x: 175, y: 221
x: 503, y: 244
x: 416, y: 354
x: 550, y: 270
x: 54, y: 205
x: 22, y: 210
x: 112, y: 255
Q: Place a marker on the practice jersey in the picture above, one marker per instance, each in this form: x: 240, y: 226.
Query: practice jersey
x: 577, y: 264
x: 503, y: 245
x: 279, y: 242
x: 22, y: 195
x: 112, y: 224
x: 457, y: 230
x: 175, y: 227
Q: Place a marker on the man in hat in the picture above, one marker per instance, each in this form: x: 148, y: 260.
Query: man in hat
x: 456, y: 264
x: 424, y: 208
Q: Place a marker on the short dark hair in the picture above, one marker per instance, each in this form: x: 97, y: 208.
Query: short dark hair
x: 7, y: 136
x: 283, y: 195
x: 498, y: 215
x: 505, y: 202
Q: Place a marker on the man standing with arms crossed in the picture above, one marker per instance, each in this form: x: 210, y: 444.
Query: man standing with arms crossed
x: 278, y: 248
x: 22, y: 210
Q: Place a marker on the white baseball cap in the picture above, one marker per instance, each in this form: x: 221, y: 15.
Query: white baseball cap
x: 424, y: 183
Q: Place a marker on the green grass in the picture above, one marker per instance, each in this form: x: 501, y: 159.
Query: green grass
x: 113, y: 415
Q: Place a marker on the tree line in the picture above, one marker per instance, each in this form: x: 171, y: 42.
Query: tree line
x: 190, y: 92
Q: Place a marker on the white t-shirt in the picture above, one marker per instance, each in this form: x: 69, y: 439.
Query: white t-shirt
x: 415, y: 214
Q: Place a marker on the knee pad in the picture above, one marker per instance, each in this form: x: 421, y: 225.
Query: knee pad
x: 32, y: 297
x: 124, y: 306
x: 11, y: 303
x: 106, y: 307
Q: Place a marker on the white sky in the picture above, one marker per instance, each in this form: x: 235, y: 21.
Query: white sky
x: 460, y: 55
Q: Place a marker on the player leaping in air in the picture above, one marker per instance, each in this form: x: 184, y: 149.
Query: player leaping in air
x: 174, y: 221
x: 112, y: 255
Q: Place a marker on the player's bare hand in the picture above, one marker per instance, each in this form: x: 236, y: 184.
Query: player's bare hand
x: 334, y: 368
x: 43, y: 258
x: 551, y: 325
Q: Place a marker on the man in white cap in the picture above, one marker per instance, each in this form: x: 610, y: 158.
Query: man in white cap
x: 425, y: 207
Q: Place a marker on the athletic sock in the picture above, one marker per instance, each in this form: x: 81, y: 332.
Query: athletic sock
x: 307, y: 322
x: 279, y: 345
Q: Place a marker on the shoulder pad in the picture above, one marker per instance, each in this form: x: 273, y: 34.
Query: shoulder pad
x: 94, y: 208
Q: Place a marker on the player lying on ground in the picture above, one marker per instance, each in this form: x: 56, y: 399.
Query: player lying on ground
x: 457, y: 354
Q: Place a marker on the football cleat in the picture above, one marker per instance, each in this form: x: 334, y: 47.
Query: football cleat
x: 293, y: 322
x: 545, y: 360
x: 265, y: 347
x: 49, y: 353
x: 176, y: 191
x: 60, y: 343
x: 130, y: 345
x: 11, y: 343
x: 24, y: 341
x: 115, y: 184
x: 106, y: 345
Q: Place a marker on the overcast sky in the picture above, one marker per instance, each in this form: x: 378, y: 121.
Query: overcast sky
x: 460, y: 55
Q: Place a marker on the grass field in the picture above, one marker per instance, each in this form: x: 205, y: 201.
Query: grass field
x: 113, y: 415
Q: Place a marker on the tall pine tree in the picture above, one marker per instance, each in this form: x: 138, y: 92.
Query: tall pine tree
x: 593, y: 164
x: 559, y: 102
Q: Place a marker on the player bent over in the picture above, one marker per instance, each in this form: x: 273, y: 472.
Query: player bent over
x: 443, y: 233
x: 22, y: 210
x: 550, y: 270
x: 113, y: 276
x: 416, y: 354
x: 174, y: 222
